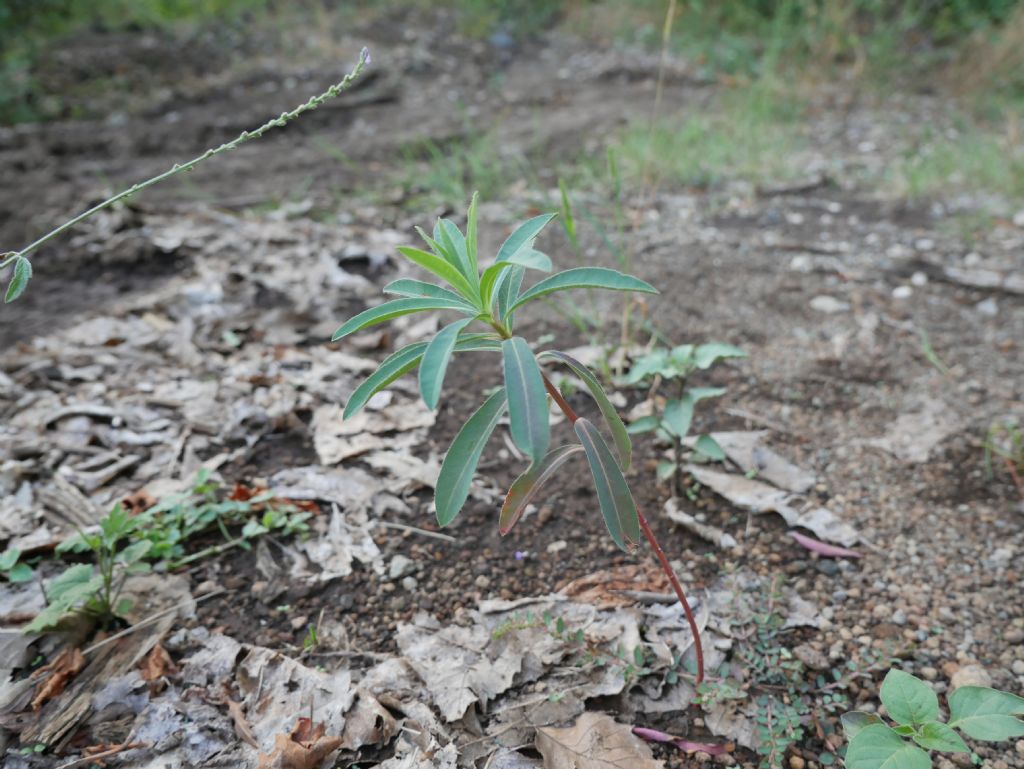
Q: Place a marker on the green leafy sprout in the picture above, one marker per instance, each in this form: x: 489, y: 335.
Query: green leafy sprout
x: 490, y: 298
x: 978, y: 712
x: 126, y: 544
x: 671, y: 423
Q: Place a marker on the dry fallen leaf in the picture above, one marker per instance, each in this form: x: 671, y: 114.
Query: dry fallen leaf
x: 604, y: 589
x: 595, y: 741
x: 58, y: 674
x: 242, y: 728
x: 304, y: 748
x: 157, y: 664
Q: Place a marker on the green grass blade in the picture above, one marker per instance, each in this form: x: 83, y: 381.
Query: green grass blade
x: 526, y: 486
x: 613, y: 494
x: 394, y: 309
x: 435, y: 361
x: 623, y: 445
x: 443, y: 269
x: 471, y: 233
x: 527, y: 399
x: 460, y: 462
x: 585, y: 277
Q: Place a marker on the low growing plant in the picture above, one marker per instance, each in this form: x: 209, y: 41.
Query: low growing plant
x: 96, y: 589
x: 978, y: 712
x: 671, y: 422
x: 127, y: 544
x: 490, y: 299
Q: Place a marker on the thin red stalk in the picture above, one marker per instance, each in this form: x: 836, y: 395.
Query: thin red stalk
x: 645, y: 527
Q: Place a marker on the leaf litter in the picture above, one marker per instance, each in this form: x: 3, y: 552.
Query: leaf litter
x: 196, y: 374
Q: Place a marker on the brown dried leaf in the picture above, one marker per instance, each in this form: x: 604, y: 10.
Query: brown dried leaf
x: 368, y: 723
x: 305, y: 748
x: 58, y: 674
x: 242, y: 728
x: 604, y: 589
x: 596, y: 741
x: 157, y: 664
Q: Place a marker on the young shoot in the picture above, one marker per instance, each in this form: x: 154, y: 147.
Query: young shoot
x: 485, y: 303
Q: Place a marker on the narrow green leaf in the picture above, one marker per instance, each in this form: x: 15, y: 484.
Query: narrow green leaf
x: 443, y: 269
x: 678, y: 416
x: 709, y: 447
x: 394, y: 309
x: 526, y: 486
x: 613, y: 494
x: 909, y: 700
x: 567, y: 218
x: 856, y: 720
x: 391, y: 368
x: 419, y: 289
x: 939, y: 736
x: 508, y: 291
x: 879, y: 747
x: 20, y: 277
x: 471, y: 234
x: 435, y: 361
x: 584, y: 277
x: 460, y: 462
x: 527, y: 399
x: 495, y: 275
x: 453, y: 239
x: 707, y: 355
x: 986, y: 714
x: 623, y: 445
x: 522, y: 237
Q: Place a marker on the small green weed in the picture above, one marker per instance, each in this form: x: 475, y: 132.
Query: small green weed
x: 672, y: 367
x: 1005, y: 441
x: 130, y: 544
x: 979, y: 712
x: 96, y: 589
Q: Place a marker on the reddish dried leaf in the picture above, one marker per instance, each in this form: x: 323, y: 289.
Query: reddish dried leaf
x: 305, y: 748
x: 157, y: 664
x: 58, y: 674
x: 711, y: 748
x: 822, y: 548
x: 138, y: 502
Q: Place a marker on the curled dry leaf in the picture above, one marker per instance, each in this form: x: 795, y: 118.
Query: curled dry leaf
x: 618, y: 586
x: 305, y: 747
x: 821, y: 548
x: 56, y: 675
x: 157, y: 664
x: 595, y: 741
x: 711, y: 748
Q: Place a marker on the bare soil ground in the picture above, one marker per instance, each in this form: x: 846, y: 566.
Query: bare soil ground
x: 828, y: 289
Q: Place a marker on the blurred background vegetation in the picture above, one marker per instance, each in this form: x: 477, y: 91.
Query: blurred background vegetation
x: 767, y: 55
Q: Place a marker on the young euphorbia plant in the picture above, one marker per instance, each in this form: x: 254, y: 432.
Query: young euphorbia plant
x: 487, y: 302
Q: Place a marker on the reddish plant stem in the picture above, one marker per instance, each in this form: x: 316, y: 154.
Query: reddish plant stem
x: 651, y: 539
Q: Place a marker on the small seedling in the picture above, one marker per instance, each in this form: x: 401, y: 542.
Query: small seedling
x: 96, y: 590
x: 671, y: 422
x: 491, y: 298
x: 977, y: 711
